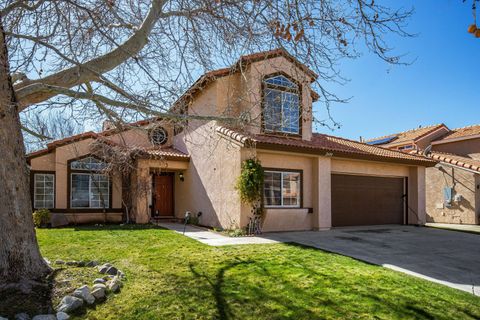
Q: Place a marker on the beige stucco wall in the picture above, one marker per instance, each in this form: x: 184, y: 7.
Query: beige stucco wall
x: 209, y: 185
x: 464, y: 183
x: 43, y: 163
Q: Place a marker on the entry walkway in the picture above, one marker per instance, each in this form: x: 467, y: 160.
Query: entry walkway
x: 213, y: 238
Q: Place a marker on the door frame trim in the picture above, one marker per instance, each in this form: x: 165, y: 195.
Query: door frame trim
x: 167, y: 173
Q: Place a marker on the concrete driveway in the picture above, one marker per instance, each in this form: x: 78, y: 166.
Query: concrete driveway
x: 448, y: 257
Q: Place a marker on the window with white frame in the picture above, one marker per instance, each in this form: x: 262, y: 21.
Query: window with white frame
x: 43, y: 190
x: 281, y: 110
x: 89, y: 188
x: 282, y: 189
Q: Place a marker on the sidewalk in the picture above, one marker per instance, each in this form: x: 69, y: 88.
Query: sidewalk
x: 212, y: 238
x: 472, y: 228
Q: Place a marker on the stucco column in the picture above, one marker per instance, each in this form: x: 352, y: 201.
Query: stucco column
x: 322, y: 206
x: 416, y: 196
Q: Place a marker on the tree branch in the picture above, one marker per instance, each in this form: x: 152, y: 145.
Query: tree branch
x: 89, y: 70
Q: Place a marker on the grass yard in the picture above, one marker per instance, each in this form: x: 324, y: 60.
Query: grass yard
x: 173, y: 277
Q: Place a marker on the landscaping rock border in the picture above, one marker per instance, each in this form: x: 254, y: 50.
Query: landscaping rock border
x: 84, y: 295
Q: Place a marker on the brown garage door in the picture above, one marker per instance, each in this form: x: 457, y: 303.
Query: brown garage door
x: 363, y: 200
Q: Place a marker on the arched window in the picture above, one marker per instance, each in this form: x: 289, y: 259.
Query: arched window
x: 281, y: 107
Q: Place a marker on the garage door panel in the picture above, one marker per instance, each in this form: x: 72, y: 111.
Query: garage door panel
x: 366, y: 200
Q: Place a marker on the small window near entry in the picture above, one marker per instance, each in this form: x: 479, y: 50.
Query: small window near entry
x: 282, y: 189
x: 43, y: 190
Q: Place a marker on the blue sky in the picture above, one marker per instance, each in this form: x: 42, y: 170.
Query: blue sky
x: 442, y: 85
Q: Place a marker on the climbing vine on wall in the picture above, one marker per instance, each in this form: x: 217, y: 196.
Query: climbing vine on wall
x: 250, y: 181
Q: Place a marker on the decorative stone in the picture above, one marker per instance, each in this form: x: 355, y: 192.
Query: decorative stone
x: 47, y: 261
x: 92, y: 263
x: 2, y: 318
x: 71, y: 263
x: 84, y: 293
x: 99, y: 286
x: 62, y: 316
x: 104, y: 267
x: 22, y: 316
x: 112, y: 271
x: 99, y: 293
x: 99, y: 280
x: 115, y: 284
x: 59, y: 261
x: 81, y: 263
x: 69, y: 303
x: 45, y: 317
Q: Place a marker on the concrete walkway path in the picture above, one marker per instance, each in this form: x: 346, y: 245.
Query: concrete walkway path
x: 213, y: 238
x: 457, y: 227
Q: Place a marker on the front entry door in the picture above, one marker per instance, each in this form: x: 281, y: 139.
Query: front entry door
x: 163, y: 195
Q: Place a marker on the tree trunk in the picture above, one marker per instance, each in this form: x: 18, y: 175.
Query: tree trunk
x: 20, y: 259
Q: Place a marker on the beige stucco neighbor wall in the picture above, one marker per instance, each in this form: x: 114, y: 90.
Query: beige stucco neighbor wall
x: 464, y: 147
x: 464, y: 183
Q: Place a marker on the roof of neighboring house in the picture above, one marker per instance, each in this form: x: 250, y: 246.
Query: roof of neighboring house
x: 322, y: 144
x: 453, y: 159
x: 405, y: 136
x: 460, y: 133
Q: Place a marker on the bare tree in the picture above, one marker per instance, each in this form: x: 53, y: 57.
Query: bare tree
x: 124, y: 59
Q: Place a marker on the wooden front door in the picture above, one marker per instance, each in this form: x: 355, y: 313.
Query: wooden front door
x: 163, y: 195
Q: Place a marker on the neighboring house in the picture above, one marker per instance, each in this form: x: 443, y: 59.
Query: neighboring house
x: 453, y: 186
x: 312, y: 181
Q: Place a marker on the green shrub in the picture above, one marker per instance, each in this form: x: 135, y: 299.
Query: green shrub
x: 250, y: 181
x: 236, y: 233
x: 41, y: 218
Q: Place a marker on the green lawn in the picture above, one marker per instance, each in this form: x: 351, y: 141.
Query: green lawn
x: 173, y: 277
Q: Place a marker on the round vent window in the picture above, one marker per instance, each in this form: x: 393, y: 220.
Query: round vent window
x: 158, y: 136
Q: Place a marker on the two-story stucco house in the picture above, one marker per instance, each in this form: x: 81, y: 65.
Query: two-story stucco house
x: 453, y: 185
x: 312, y: 181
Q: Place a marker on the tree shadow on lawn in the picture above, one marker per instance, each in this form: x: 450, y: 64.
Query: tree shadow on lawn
x: 297, y: 289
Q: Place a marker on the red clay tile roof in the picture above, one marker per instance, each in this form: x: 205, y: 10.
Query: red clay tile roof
x: 158, y: 153
x: 409, y: 136
x: 61, y: 142
x: 456, y: 160
x: 323, y: 144
x: 461, y: 133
